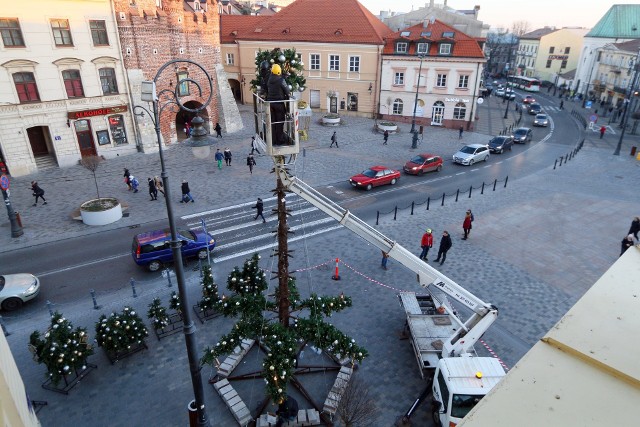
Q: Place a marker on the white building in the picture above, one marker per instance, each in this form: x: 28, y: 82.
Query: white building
x: 63, y: 92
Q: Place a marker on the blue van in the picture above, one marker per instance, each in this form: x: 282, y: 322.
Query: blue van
x: 153, y: 248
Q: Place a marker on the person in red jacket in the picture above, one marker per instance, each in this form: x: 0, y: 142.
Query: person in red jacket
x: 426, y: 243
x: 466, y: 224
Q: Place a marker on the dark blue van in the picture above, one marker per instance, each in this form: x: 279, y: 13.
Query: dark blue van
x: 153, y: 248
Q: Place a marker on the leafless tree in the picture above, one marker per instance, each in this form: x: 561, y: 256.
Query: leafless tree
x: 92, y: 163
x: 357, y: 407
x: 519, y: 28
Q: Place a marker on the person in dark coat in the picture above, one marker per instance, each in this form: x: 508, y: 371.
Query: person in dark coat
x: 153, y: 190
x: 466, y: 225
x: 127, y: 178
x: 627, y: 242
x: 186, y: 193
x: 287, y: 411
x: 277, y: 90
x: 38, y: 193
x: 445, y: 245
x: 251, y: 162
x: 635, y: 227
x: 259, y: 208
x: 254, y: 145
x: 334, y: 140
x: 227, y: 156
x: 461, y: 130
x: 386, y: 137
x: 218, y: 129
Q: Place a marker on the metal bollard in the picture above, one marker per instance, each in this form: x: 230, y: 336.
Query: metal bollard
x: 505, y: 181
x: 377, y: 217
x: 443, y: 194
x: 169, y: 277
x: 93, y: 298
x: 482, y: 190
x: 457, y: 194
x: 561, y: 158
x: 428, y: 202
x: 495, y: 181
x: 395, y: 213
x: 133, y: 287
x: 4, y: 329
x: 304, y: 152
x: 49, y: 307
x: 412, y: 205
x: 470, y: 190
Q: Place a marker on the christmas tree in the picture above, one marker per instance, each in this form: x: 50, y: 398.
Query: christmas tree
x: 120, y: 331
x: 209, y: 290
x: 62, y: 349
x: 292, y: 68
x: 158, y: 314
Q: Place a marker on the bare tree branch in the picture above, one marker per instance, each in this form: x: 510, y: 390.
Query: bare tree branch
x: 92, y: 163
x: 357, y: 407
x: 520, y: 27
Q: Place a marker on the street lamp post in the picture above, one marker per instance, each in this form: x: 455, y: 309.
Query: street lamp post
x: 171, y: 99
x: 508, y: 96
x: 414, y: 138
x: 16, y: 229
x: 588, y: 83
x: 627, y: 102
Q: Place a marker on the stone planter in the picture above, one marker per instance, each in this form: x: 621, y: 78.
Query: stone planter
x: 101, y: 211
x: 331, y: 120
x: 387, y: 126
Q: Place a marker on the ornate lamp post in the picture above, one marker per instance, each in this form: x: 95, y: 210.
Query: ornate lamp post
x: 16, y: 228
x: 170, y: 98
x: 414, y: 138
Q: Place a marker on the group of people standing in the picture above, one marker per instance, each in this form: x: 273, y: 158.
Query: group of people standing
x: 155, y: 184
x: 627, y: 241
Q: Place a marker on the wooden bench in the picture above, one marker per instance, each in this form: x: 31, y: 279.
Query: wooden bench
x: 234, y: 402
x: 306, y: 417
x: 336, y: 392
x: 232, y: 361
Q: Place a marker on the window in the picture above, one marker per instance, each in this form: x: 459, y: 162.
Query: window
x: 73, y: 83
x: 183, y: 88
x: 564, y: 64
x: 401, y: 47
x: 423, y: 48
x: 425, y: 34
x: 99, y: 33
x: 548, y: 63
x: 397, y: 106
x: 398, y: 79
x: 405, y: 34
x: 334, y: 62
x: 61, y: 32
x: 26, y: 87
x: 448, y: 34
x: 11, y: 33
x: 354, y: 64
x: 567, y: 50
x: 459, y: 111
x: 444, y: 391
x: 552, y: 49
x: 315, y: 61
x: 441, y: 81
x: 108, y: 81
x: 230, y: 60
x: 463, y: 81
x: 445, y: 49
x: 116, y: 126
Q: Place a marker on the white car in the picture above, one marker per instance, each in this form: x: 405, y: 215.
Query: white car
x: 500, y: 92
x: 16, y: 289
x: 472, y: 153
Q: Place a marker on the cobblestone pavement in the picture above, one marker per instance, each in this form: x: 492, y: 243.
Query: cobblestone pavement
x: 535, y: 248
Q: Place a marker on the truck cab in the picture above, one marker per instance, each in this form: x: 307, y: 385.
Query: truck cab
x: 459, y: 383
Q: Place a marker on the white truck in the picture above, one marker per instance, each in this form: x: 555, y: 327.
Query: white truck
x: 442, y: 342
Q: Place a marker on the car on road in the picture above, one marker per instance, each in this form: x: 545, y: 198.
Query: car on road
x: 472, y: 153
x: 529, y: 99
x: 374, y: 177
x: 509, y: 95
x: 522, y: 135
x: 153, y: 248
x: 500, y: 92
x: 541, y: 120
x: 423, y: 163
x: 16, y: 289
x: 499, y: 144
x: 535, y: 108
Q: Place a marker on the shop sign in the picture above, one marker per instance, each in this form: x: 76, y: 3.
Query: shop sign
x: 77, y: 115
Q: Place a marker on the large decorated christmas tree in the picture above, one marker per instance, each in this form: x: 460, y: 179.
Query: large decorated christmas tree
x: 290, y: 62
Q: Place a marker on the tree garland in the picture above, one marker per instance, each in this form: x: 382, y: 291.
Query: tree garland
x: 292, y: 68
x: 63, y: 350
x: 119, y: 331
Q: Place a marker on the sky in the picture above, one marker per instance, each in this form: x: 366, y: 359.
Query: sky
x: 502, y: 13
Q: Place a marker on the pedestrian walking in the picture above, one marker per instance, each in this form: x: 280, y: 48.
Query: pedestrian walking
x: 159, y: 185
x: 186, y: 193
x: 602, y: 131
x: 218, y: 129
x: 259, y: 206
x: 461, y: 130
x: 153, y: 191
x: 386, y: 137
x: 561, y: 105
x: 219, y: 157
x: 38, y: 193
x: 334, y: 140
x: 385, y: 260
x: 466, y: 224
x: 254, y: 145
x: 227, y: 156
x: 627, y: 242
x: 445, y: 245
x: 187, y: 128
x: 426, y: 243
x: 635, y: 227
x: 134, y: 183
x: 251, y: 162
x: 127, y: 178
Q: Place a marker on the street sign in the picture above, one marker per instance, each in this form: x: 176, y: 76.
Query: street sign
x: 588, y: 104
x: 4, y: 182
x: 593, y: 118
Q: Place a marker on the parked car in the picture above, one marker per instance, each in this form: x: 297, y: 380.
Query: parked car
x: 500, y: 92
x: 529, y: 99
x: 509, y: 94
x: 423, y: 163
x: 541, y: 120
x: 16, y: 289
x: 472, y: 153
x: 535, y: 108
x: 522, y: 135
x: 375, y: 176
x: 152, y: 249
x: 499, y: 144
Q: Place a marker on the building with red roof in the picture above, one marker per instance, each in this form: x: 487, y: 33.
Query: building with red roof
x: 440, y: 64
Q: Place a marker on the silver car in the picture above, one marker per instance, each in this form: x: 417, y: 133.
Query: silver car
x: 522, y: 135
x: 541, y: 120
x: 16, y: 289
x: 472, y: 153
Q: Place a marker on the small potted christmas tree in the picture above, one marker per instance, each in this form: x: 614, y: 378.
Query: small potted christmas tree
x: 121, y: 334
x: 206, y: 306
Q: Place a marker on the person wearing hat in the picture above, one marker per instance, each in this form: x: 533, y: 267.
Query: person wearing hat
x: 134, y: 183
x: 627, y: 242
x: 426, y: 243
x: 277, y: 90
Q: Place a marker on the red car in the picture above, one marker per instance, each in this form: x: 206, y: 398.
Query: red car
x: 375, y: 176
x: 423, y: 163
x: 528, y: 99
